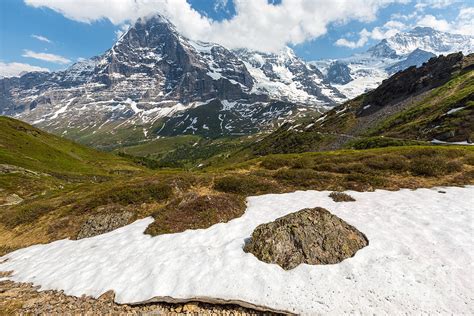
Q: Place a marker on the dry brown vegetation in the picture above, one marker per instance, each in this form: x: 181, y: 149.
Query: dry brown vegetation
x: 188, y: 200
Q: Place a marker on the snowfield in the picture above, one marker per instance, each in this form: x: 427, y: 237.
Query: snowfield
x: 419, y: 258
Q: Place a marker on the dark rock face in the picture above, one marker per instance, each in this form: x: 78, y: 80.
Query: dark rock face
x: 383, y: 50
x: 339, y: 73
x: 104, y: 223
x: 311, y: 236
x: 411, y: 82
x: 153, y: 74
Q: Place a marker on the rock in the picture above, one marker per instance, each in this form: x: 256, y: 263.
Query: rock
x: 338, y: 73
x: 103, y: 223
x: 191, y: 307
x: 341, y: 197
x: 11, y: 199
x: 311, y: 236
x: 108, y: 296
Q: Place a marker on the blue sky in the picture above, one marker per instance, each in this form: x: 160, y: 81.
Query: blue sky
x: 52, y: 34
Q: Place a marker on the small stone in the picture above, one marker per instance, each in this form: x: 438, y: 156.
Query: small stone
x: 191, y: 307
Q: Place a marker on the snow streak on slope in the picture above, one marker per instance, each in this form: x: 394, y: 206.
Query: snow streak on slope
x: 419, y: 258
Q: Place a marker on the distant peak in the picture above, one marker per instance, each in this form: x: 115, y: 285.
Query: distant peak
x: 422, y: 30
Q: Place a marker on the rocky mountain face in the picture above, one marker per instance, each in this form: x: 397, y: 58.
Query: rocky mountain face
x: 154, y: 82
x: 415, y: 58
x: 431, y: 103
x: 286, y: 77
x: 338, y: 73
x: 364, y: 72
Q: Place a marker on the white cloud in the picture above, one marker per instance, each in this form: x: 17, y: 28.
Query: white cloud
x: 41, y: 38
x: 15, y: 69
x: 364, y: 36
x: 434, y: 4
x: 256, y: 25
x: 389, y: 29
x: 122, y: 30
x: 463, y: 24
x: 465, y: 21
x: 220, y: 5
x: 433, y: 22
x: 52, y: 58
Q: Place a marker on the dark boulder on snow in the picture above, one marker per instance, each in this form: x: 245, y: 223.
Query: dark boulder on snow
x: 311, y: 236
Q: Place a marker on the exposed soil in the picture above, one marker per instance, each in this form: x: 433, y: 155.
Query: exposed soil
x: 25, y: 299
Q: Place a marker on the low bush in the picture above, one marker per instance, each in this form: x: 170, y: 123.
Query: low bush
x: 379, y: 142
x: 303, y: 163
x: 388, y: 162
x: 26, y: 214
x: 245, y: 185
x: 275, y: 162
x: 130, y: 194
x: 302, y: 178
x: 434, y: 167
x: 366, y: 179
x: 193, y: 211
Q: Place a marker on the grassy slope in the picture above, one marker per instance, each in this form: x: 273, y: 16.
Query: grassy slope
x: 428, y: 117
x: 25, y: 146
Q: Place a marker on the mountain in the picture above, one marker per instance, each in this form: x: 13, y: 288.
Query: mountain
x: 415, y: 58
x: 152, y: 77
x: 434, y: 103
x: 430, y: 40
x: 365, y: 71
x: 286, y: 77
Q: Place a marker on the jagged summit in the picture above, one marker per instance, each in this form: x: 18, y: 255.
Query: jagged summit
x: 153, y: 81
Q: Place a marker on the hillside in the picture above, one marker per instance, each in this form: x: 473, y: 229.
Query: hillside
x: 25, y: 146
x: 432, y: 102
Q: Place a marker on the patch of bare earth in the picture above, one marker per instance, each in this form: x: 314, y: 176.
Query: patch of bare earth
x: 25, y: 299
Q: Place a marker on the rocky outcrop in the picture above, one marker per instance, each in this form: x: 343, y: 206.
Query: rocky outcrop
x: 341, y: 197
x: 311, y: 236
x: 338, y: 73
x: 104, y: 223
x: 411, y: 82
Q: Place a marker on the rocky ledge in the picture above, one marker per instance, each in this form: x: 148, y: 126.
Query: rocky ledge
x: 311, y: 236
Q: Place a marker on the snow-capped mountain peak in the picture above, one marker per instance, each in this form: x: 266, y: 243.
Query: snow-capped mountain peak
x: 430, y: 40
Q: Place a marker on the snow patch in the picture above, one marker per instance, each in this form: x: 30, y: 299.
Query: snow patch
x: 420, y: 249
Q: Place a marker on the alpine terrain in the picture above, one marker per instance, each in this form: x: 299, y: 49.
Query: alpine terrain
x: 154, y: 82
x: 172, y: 176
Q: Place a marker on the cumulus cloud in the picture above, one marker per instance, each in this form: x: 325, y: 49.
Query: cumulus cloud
x: 41, y: 38
x: 257, y: 24
x: 462, y: 24
x: 52, y: 58
x: 364, y: 36
x: 16, y: 69
x: 434, y: 4
x: 433, y: 22
x: 378, y: 33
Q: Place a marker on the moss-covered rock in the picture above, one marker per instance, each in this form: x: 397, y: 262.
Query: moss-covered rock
x: 311, y: 236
